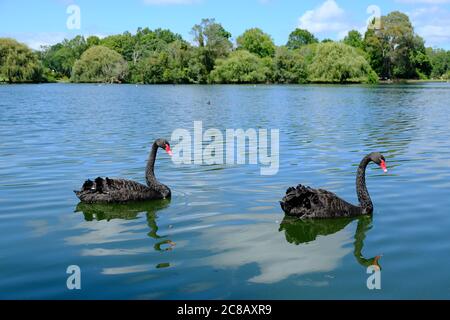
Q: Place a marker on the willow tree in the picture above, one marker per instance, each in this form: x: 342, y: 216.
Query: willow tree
x: 18, y: 63
x: 289, y: 66
x: 242, y: 67
x: 333, y: 62
x: 100, y: 64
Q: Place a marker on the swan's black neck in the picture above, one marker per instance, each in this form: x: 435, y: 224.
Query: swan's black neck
x: 361, y: 189
x: 150, y: 169
x: 150, y: 174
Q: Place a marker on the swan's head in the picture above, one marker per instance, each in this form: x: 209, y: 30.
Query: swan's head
x: 379, y: 159
x: 164, y: 144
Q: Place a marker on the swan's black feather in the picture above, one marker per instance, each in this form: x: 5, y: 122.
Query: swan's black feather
x: 118, y: 190
x: 306, y: 202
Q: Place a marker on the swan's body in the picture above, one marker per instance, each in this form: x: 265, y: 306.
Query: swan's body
x: 306, y: 202
x: 120, y: 190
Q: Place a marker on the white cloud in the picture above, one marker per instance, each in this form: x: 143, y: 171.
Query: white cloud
x: 170, y: 2
x: 236, y: 246
x: 424, y: 1
x: 432, y: 23
x: 327, y: 17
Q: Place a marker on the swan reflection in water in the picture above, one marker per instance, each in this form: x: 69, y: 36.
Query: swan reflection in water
x: 130, y: 211
x: 299, y: 231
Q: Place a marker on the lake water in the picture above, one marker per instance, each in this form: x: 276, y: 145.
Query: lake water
x: 223, y: 234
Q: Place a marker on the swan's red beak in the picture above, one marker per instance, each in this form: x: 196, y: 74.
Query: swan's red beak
x: 169, y: 152
x: 383, y: 165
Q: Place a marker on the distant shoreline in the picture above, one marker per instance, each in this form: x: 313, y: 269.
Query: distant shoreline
x: 411, y: 81
x: 381, y: 82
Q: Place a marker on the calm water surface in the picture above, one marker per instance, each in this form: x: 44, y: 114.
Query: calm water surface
x: 223, y: 235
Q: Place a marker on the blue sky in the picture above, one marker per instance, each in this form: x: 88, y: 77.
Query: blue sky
x: 44, y: 22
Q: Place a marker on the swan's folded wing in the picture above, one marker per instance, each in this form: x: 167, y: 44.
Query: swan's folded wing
x: 306, y: 202
x: 330, y: 205
x: 114, y: 190
x: 111, y: 185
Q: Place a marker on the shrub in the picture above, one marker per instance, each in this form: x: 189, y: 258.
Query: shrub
x: 100, y: 64
x: 241, y: 67
x: 338, y: 63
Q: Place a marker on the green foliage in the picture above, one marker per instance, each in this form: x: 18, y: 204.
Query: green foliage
x: 18, y: 63
x: 339, y: 63
x: 257, y: 42
x: 440, y: 62
x: 354, y: 39
x: 92, y: 41
x: 213, y: 42
x: 289, y: 66
x: 100, y: 64
x: 299, y: 38
x: 422, y: 62
x: 61, y: 57
x: 175, y: 64
x: 241, y: 67
x: 143, y: 43
x: 121, y: 43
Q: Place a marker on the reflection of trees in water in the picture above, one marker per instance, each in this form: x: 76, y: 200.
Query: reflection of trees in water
x: 298, y: 231
x: 130, y: 211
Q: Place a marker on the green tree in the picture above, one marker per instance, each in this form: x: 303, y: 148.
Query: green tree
x: 289, y: 66
x: 60, y: 58
x: 395, y: 51
x: 213, y: 41
x: 422, y: 63
x: 241, y: 67
x: 257, y: 42
x: 299, y: 38
x: 171, y: 65
x: 18, y: 63
x: 197, y: 70
x: 440, y: 62
x: 100, y: 64
x: 124, y: 44
x: 376, y: 50
x: 92, y: 41
x: 339, y: 63
x: 354, y: 39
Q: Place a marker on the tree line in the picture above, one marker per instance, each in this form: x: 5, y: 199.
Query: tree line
x: 393, y: 51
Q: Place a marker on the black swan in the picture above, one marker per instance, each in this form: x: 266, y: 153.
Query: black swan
x: 305, y: 202
x: 120, y: 190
